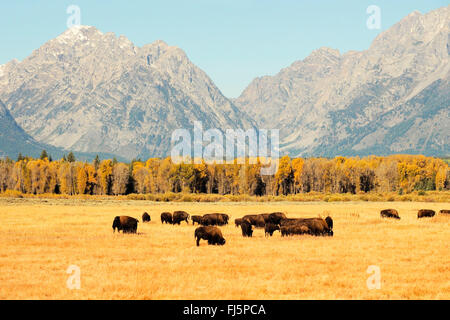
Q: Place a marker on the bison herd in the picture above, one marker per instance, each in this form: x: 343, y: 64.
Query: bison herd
x: 277, y: 221
x: 270, y: 222
x: 422, y: 213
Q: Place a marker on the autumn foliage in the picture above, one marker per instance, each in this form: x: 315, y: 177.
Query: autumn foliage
x: 396, y: 173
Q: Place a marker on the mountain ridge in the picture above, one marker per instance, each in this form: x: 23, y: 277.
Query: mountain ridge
x: 99, y: 92
x: 304, y: 99
x: 90, y: 91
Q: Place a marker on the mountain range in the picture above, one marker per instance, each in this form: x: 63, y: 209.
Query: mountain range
x: 94, y: 92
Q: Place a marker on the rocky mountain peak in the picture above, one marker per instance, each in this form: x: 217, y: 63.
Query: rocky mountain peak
x: 93, y: 91
x: 381, y: 100
x: 90, y: 91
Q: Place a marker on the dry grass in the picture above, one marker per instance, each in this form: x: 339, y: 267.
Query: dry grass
x: 39, y: 239
x: 415, y: 196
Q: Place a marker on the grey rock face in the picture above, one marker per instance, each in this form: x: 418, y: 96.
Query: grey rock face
x: 12, y: 136
x: 88, y: 91
x: 94, y: 92
x: 390, y: 98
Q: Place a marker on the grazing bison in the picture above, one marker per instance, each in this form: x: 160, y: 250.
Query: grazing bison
x: 238, y: 222
x: 196, y: 219
x: 289, y: 230
x: 166, y: 217
x: 214, y: 219
x: 146, y: 217
x: 389, y: 213
x: 226, y: 217
x: 276, y: 217
x: 425, y: 213
x: 212, y: 234
x: 289, y: 221
x: 126, y: 224
x: 444, y: 212
x: 246, y: 228
x: 266, y: 217
x: 179, y: 216
x: 317, y: 226
x: 255, y: 220
x: 270, y: 228
x: 329, y: 222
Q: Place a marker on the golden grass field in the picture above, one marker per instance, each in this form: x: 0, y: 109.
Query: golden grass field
x: 40, y: 238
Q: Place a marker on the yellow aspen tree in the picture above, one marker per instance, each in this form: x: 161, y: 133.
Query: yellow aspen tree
x: 82, y: 179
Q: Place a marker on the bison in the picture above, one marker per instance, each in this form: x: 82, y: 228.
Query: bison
x: 276, y: 217
x: 179, y: 216
x: 294, y: 229
x: 425, y: 213
x: 238, y: 222
x: 317, y: 226
x: 166, y: 217
x: 270, y: 228
x: 255, y: 220
x: 289, y: 221
x: 444, y: 212
x: 146, y: 217
x: 246, y: 228
x: 389, y: 213
x: 212, y: 234
x: 329, y: 222
x: 196, y: 219
x: 214, y: 219
x: 126, y: 224
x: 225, y: 217
x: 266, y: 217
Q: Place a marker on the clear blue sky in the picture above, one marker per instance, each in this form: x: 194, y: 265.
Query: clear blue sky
x: 233, y: 41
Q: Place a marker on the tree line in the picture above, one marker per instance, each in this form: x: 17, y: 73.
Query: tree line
x: 399, y: 173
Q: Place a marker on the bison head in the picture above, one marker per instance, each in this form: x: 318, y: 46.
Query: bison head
x: 116, y: 224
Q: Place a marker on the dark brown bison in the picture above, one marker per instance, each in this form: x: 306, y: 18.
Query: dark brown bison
x: 196, y: 219
x: 425, y: 213
x: 270, y: 228
x: 389, y: 213
x: 246, y: 228
x: 255, y: 220
x: 238, y: 222
x: 266, y: 217
x: 317, y: 226
x: 289, y: 230
x: 166, y: 217
x: 225, y: 217
x: 214, y: 219
x: 179, y: 216
x: 444, y: 212
x: 126, y: 224
x: 212, y: 234
x: 289, y: 221
x: 329, y: 222
x: 276, y: 217
x: 146, y: 217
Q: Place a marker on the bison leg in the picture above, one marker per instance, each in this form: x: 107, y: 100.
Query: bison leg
x: 198, y: 241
